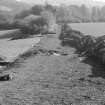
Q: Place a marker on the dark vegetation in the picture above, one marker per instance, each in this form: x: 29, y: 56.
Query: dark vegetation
x: 86, y: 45
x: 34, y: 21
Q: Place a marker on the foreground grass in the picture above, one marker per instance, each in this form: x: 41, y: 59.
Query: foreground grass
x: 54, y: 80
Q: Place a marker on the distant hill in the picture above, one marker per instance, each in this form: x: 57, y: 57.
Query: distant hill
x: 13, y: 6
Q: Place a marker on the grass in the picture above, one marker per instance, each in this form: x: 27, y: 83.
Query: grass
x: 20, y: 59
x: 15, y: 47
x: 54, y: 80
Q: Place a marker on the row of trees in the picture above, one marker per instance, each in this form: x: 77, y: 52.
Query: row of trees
x: 81, y: 13
x: 47, y: 15
x: 5, y: 20
x: 72, y: 13
x: 36, y: 20
x: 39, y: 19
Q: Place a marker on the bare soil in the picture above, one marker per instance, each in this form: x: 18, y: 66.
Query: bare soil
x: 55, y: 80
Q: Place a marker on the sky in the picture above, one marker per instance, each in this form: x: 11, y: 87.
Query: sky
x: 55, y: 1
x: 100, y: 0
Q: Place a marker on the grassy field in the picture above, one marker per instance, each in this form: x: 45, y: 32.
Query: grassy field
x: 12, y: 49
x: 43, y: 79
x: 95, y: 29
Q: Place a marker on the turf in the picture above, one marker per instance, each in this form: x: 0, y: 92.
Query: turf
x: 55, y: 80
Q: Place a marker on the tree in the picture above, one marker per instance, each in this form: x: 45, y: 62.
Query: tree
x: 95, y: 14
x: 102, y: 14
x: 33, y: 24
x: 50, y: 19
x: 62, y: 14
x: 50, y: 8
x: 37, y: 9
x: 86, y: 16
x: 22, y: 15
x: 6, y: 21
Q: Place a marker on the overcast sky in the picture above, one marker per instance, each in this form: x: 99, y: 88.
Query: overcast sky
x: 55, y: 1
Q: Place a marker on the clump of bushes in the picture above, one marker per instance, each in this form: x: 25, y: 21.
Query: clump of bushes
x: 33, y: 25
x: 68, y: 35
x: 87, y: 45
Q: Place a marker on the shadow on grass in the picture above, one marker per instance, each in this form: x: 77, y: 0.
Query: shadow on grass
x: 98, y: 68
x: 69, y: 44
x: 21, y: 58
